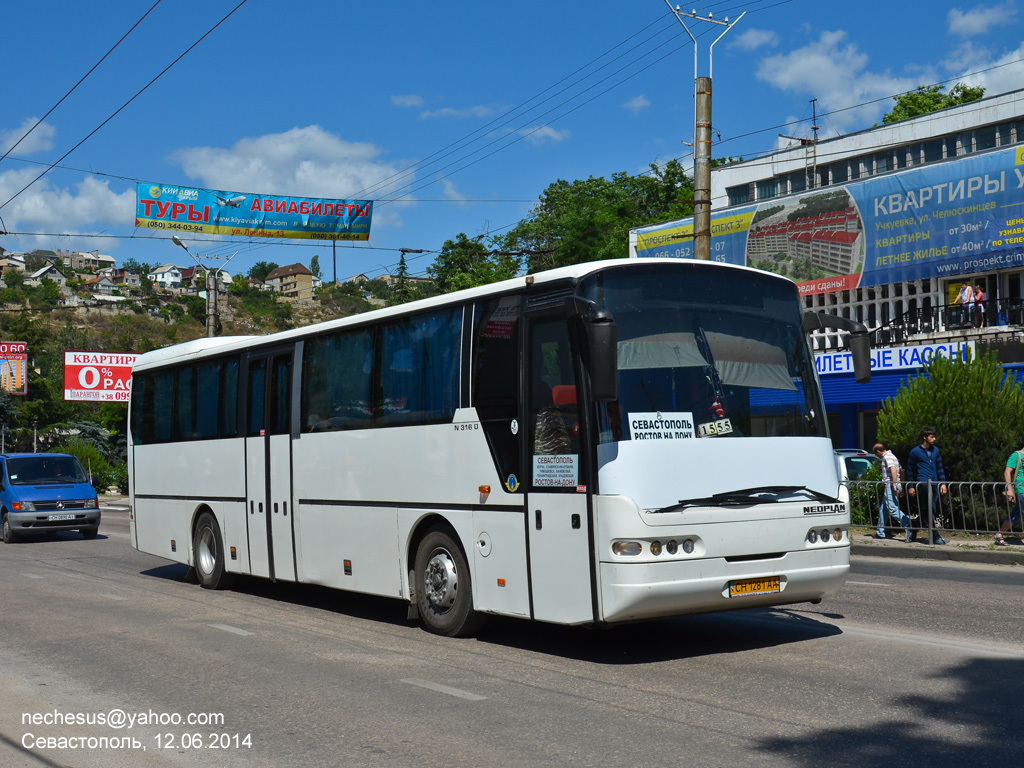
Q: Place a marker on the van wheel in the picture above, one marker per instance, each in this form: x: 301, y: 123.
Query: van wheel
x: 444, y: 589
x: 89, y: 533
x: 208, y: 551
x: 9, y: 535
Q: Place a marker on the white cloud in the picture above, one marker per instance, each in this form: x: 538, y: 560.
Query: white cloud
x: 635, y: 105
x: 303, y: 162
x: 997, y: 73
x: 40, y: 140
x: 88, y: 205
x: 543, y: 133
x: 981, y: 18
x: 408, y: 100
x: 477, y: 111
x: 752, y: 39
x: 835, y: 72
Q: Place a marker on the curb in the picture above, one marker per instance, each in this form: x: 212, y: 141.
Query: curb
x: 865, y: 546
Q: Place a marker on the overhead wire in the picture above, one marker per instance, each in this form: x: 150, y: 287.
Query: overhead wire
x: 82, y: 80
x: 125, y: 105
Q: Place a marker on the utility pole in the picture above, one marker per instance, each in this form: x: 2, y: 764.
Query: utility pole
x: 702, y: 135
x: 213, y: 326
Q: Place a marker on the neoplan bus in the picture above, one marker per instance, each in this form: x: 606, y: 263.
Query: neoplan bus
x: 602, y: 443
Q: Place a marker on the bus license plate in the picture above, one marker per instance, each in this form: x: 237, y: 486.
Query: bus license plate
x: 754, y: 587
x: 61, y: 517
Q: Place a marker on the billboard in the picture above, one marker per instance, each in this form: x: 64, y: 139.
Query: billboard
x: 191, y: 209
x: 950, y: 218
x: 14, y: 367
x: 98, y: 376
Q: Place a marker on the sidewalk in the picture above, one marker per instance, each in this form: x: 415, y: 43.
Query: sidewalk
x: 962, y: 548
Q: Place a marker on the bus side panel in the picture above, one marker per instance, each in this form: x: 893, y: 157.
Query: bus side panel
x: 365, y: 537
x: 500, y: 583
x: 169, y: 484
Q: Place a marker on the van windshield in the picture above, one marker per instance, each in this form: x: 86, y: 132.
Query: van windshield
x: 43, y: 469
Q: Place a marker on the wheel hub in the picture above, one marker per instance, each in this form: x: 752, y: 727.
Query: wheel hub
x: 441, y: 580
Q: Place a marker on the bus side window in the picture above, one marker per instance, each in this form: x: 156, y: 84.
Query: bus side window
x: 553, y: 407
x: 496, y: 382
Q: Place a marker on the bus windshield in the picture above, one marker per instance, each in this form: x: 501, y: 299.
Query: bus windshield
x: 705, y: 351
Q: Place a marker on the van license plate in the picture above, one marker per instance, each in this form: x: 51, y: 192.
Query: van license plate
x: 754, y: 587
x: 61, y: 517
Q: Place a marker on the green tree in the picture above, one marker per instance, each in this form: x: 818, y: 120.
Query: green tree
x: 465, y: 263
x: 930, y: 98
x: 314, y: 267
x: 261, y: 269
x: 976, y: 409
x: 588, y: 220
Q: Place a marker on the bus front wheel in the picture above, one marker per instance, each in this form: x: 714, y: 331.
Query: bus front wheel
x: 208, y: 550
x: 444, y: 591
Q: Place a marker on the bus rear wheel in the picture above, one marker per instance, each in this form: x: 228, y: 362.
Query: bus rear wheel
x: 444, y: 590
x: 208, y: 550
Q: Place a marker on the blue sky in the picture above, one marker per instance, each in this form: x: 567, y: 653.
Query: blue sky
x: 453, y: 117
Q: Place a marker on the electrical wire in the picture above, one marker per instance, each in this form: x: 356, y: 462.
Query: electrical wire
x: 82, y: 80
x: 123, y: 106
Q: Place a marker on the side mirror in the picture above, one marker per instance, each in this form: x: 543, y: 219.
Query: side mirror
x: 602, y: 337
x: 859, y: 342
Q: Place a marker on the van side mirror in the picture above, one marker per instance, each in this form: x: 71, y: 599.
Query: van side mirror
x: 859, y: 342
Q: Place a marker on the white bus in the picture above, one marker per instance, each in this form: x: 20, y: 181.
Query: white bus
x: 602, y: 443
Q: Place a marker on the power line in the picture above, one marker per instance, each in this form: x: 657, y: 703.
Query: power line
x: 123, y: 106
x: 62, y: 98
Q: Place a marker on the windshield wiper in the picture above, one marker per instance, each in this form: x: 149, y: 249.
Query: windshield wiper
x: 759, y: 495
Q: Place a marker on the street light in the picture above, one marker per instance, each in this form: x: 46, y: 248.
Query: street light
x: 213, y: 326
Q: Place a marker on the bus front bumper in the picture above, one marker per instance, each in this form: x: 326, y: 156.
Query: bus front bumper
x: 647, y: 590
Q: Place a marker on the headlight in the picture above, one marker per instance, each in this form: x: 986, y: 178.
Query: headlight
x: 24, y: 506
x: 627, y: 548
x: 813, y: 537
x: 91, y: 503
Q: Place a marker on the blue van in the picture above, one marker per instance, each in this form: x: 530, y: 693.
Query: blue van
x: 46, y: 493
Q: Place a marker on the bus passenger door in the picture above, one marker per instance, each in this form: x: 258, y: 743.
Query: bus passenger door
x: 268, y: 467
x: 558, y: 523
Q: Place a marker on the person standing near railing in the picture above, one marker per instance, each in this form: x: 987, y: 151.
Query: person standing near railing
x: 978, y: 320
x: 965, y: 298
x: 1014, y: 493
x: 925, y: 471
x: 893, y: 488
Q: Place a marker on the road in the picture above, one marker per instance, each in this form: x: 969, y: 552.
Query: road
x: 913, y: 664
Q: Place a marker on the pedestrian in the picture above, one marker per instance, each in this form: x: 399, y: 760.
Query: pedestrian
x: 1014, y: 493
x: 979, y: 307
x: 925, y: 471
x: 965, y: 298
x: 893, y: 489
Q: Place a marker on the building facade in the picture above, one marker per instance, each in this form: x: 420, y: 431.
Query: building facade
x: 882, y: 226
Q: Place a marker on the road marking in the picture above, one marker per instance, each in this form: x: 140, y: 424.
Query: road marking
x: 955, y: 645
x: 112, y: 597
x: 443, y: 689
x: 31, y: 576
x: 870, y: 584
x: 228, y: 628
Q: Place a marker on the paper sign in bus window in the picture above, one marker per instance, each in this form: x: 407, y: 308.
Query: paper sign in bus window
x: 556, y: 471
x: 661, y: 426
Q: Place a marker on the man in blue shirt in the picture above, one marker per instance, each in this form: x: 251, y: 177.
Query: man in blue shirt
x: 924, y: 467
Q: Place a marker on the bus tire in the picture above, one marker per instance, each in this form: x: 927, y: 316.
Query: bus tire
x: 444, y: 589
x: 208, y: 551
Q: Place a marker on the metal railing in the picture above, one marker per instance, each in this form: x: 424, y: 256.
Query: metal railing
x: 966, y: 507
x: 950, y: 317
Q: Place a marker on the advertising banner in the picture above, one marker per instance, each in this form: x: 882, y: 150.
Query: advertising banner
x: 98, y: 376
x: 897, y: 358
x: 946, y: 219
x: 14, y: 367
x: 190, y: 209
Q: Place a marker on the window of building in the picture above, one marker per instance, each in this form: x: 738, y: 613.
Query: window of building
x: 838, y: 172
x: 798, y: 181
x: 739, y: 195
x: 985, y: 138
x: 934, y: 150
x: 767, y: 189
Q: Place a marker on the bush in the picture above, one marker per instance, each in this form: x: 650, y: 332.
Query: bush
x: 103, y: 475
x: 976, y: 409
